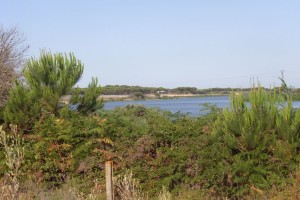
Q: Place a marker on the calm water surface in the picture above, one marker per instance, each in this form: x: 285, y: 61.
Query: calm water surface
x: 193, y: 106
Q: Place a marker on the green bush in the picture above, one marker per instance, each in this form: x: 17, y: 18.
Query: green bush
x: 241, y: 151
x: 263, y: 139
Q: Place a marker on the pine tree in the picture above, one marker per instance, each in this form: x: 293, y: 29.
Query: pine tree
x: 22, y: 106
x: 52, y: 76
x: 47, y: 79
x: 88, y: 102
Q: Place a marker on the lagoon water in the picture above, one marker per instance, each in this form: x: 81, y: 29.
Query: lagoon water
x: 193, y: 106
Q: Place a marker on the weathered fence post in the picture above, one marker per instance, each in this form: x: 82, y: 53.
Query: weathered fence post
x: 109, y: 181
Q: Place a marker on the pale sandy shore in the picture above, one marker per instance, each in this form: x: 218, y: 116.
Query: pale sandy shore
x: 179, y: 95
x: 147, y: 96
x: 113, y: 97
x: 66, y: 98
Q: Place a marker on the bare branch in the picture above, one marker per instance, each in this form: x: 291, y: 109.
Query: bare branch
x: 12, y: 52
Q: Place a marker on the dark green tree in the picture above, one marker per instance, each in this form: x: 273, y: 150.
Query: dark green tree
x: 52, y: 76
x: 88, y: 102
x: 46, y: 80
x: 22, y: 106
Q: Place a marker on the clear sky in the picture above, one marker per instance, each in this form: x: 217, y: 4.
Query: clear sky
x: 168, y: 43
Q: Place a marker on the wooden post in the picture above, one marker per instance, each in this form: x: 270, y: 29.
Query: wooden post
x: 109, y: 181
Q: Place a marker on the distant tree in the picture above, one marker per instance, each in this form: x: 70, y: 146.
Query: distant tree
x: 12, y: 52
x: 184, y: 90
x: 138, y: 95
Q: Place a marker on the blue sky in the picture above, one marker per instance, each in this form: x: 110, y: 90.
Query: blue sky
x: 167, y: 43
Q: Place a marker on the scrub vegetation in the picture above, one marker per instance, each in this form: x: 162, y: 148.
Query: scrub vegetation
x: 247, y: 151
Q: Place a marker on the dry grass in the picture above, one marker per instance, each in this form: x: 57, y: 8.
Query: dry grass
x: 127, y: 188
x: 164, y: 194
x: 290, y: 192
x: 68, y: 191
x: 14, y: 157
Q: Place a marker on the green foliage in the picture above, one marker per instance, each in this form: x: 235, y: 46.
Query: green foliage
x: 241, y: 151
x: 187, y: 90
x: 164, y: 144
x: 61, y: 147
x: 263, y: 137
x: 52, y: 76
x: 47, y: 79
x: 284, y: 88
x: 138, y: 95
x: 22, y: 106
x: 128, y: 90
x: 88, y: 102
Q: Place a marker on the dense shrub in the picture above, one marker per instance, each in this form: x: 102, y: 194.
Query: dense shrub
x: 241, y: 151
x: 262, y: 137
x: 164, y: 144
x: 61, y: 147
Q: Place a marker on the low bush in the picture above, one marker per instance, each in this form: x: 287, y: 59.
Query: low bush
x: 262, y: 139
x: 248, y: 150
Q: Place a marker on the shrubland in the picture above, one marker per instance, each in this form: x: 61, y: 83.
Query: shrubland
x: 246, y: 151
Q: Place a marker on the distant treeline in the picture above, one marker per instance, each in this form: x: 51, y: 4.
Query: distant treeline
x: 127, y: 90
